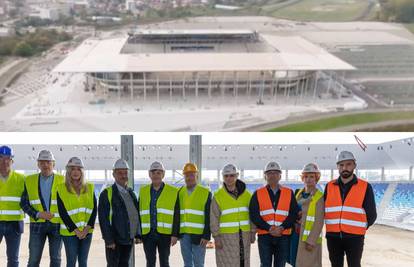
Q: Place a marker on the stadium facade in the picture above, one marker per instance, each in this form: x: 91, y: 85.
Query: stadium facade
x: 157, y: 64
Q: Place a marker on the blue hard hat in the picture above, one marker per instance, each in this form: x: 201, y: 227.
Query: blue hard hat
x: 6, y: 151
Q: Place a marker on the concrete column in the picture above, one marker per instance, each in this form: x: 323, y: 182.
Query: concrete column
x: 127, y: 153
x: 209, y: 84
x: 158, y: 89
x: 287, y: 175
x: 131, y: 85
x: 242, y: 174
x: 218, y: 177
x: 410, y: 175
x: 332, y: 174
x: 382, y: 174
x: 329, y: 83
x: 183, y: 85
x: 171, y: 89
x: 196, y: 151
x: 196, y: 86
x: 249, y: 87
x: 316, y: 77
x: 223, y: 82
x: 145, y: 86
x: 118, y: 83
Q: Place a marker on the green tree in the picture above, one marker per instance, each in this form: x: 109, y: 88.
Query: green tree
x: 23, y: 49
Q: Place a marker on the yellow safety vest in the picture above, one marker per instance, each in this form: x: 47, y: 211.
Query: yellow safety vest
x: 79, y: 208
x: 11, y: 192
x: 310, y: 216
x: 234, y: 212
x: 165, y: 209
x: 32, y: 187
x: 192, y: 209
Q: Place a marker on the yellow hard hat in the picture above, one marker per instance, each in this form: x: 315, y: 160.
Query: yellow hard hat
x: 190, y: 167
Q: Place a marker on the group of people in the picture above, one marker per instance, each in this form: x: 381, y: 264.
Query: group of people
x: 288, y: 224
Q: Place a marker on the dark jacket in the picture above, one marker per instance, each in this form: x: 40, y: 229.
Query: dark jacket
x: 70, y: 225
x: 254, y: 210
x: 196, y: 239
x: 368, y: 204
x: 119, y: 231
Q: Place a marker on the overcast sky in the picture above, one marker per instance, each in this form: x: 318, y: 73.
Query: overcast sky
x: 208, y: 138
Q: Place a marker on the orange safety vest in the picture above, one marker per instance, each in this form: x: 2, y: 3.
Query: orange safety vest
x: 268, y: 213
x: 349, y: 216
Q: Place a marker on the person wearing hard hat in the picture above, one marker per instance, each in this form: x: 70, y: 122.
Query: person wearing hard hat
x: 195, y: 201
x: 77, y: 210
x: 159, y: 213
x: 118, y: 217
x: 310, y: 201
x: 229, y: 221
x: 349, y: 211
x: 273, y: 209
x: 11, y: 215
x: 40, y: 203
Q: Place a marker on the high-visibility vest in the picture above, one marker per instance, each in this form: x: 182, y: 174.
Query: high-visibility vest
x: 348, y: 216
x: 79, y: 208
x: 11, y: 192
x: 234, y: 212
x: 268, y: 213
x: 165, y: 209
x: 310, y: 216
x: 192, y: 209
x: 32, y: 187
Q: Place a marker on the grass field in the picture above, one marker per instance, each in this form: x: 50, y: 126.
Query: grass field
x: 320, y: 10
x: 343, y: 121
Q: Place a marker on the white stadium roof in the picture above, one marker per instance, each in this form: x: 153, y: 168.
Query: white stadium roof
x: 294, y: 53
x: 396, y: 154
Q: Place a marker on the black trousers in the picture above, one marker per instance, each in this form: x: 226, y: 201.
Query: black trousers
x: 153, y: 242
x: 352, y: 247
x: 118, y: 257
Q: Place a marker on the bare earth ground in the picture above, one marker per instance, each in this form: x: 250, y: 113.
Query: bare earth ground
x: 384, y: 246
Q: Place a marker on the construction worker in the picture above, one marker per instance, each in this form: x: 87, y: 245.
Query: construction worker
x: 273, y: 209
x: 195, y: 201
x: 11, y: 215
x: 311, y: 204
x: 39, y: 202
x: 77, y: 209
x: 229, y: 221
x: 118, y: 217
x: 159, y: 215
x: 349, y: 211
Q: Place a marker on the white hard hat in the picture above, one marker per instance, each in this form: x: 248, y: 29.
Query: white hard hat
x: 46, y: 155
x: 311, y: 167
x: 156, y: 165
x: 272, y: 166
x: 120, y: 164
x: 75, y: 162
x: 229, y: 169
x: 344, y: 155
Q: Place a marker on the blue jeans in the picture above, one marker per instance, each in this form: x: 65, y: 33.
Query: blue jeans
x: 193, y: 255
x: 273, y: 249
x: 38, y: 234
x: 77, y: 249
x: 9, y: 230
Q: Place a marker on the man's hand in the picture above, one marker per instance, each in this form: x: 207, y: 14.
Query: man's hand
x: 218, y: 244
x: 276, y: 231
x: 309, y: 247
x: 79, y: 234
x: 45, y: 215
x: 138, y: 241
x: 111, y: 246
x: 173, y: 240
x: 85, y: 231
x: 203, y: 242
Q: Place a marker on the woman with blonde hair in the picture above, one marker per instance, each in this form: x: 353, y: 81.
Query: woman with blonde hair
x: 310, y: 199
x: 77, y: 209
